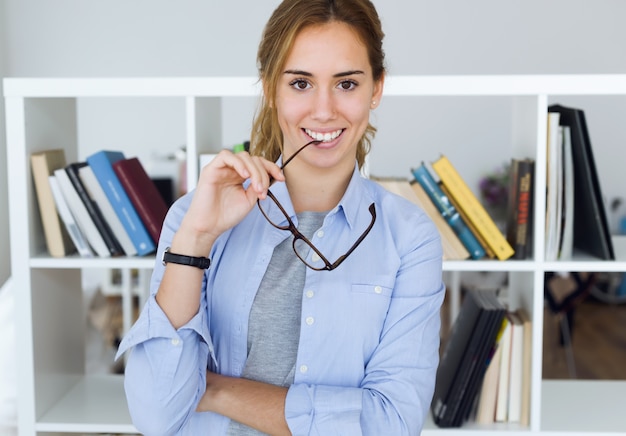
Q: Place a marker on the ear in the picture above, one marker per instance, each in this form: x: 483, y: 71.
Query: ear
x: 377, y: 95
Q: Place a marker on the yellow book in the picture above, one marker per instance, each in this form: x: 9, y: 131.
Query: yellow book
x: 472, y: 208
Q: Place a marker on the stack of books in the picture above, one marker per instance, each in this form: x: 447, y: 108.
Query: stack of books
x: 466, y: 228
x: 576, y: 217
x: 484, y: 372
x: 105, y: 206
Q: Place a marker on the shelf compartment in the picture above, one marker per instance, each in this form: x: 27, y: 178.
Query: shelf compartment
x: 95, y: 404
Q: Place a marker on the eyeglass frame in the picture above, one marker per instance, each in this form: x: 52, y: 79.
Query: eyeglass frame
x: 299, y: 236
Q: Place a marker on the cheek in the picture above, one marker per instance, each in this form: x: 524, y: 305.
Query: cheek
x: 290, y: 111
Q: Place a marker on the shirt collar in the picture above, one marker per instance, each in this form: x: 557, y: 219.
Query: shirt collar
x: 355, y: 201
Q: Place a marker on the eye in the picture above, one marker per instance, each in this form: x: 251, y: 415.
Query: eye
x: 299, y: 84
x: 347, y: 85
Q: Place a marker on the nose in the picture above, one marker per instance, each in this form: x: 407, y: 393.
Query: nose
x: 324, y: 106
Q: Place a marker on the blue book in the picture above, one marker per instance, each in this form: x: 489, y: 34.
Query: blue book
x: 448, y: 211
x: 101, y: 163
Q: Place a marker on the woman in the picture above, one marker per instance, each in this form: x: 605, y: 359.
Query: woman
x: 319, y: 313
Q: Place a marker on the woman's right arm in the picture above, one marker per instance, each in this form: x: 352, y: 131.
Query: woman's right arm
x: 166, y: 370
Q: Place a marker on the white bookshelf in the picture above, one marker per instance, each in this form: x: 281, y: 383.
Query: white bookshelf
x: 55, y: 393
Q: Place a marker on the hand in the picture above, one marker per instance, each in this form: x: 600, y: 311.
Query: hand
x: 220, y: 200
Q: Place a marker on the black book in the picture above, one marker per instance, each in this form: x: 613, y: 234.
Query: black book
x: 94, y: 211
x: 496, y: 312
x: 464, y: 358
x: 519, y: 227
x: 591, y: 229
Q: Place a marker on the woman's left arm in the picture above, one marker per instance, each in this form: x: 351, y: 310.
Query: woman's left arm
x: 399, y: 377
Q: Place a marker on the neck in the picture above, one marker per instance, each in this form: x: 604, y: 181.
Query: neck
x: 317, y: 191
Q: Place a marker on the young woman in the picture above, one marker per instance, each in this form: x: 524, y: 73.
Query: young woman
x: 319, y: 312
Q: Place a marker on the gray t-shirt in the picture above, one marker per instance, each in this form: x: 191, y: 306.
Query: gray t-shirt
x: 274, y: 324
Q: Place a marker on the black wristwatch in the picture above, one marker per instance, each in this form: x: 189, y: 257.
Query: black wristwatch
x: 198, y: 262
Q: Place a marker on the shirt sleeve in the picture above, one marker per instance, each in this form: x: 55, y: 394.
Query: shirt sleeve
x: 396, y: 391
x: 165, y: 373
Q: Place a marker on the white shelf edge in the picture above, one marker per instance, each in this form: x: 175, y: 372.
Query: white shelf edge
x: 247, y: 86
x: 75, y: 261
x: 132, y: 87
x: 96, y: 404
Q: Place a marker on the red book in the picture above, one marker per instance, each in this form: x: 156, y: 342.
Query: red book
x: 143, y: 194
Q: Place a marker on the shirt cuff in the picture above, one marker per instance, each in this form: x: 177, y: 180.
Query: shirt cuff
x: 323, y: 410
x: 153, y: 323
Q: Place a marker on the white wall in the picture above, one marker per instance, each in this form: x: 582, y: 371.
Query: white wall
x: 5, y: 267
x: 212, y: 37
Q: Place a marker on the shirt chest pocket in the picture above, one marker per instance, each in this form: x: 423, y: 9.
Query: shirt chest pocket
x: 369, y: 304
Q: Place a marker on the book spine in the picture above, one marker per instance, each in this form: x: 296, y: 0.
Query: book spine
x: 523, y: 229
x: 94, y: 211
x: 63, y: 209
x: 449, y: 213
x: 80, y: 214
x: 475, y: 211
x: 143, y: 194
x: 43, y: 164
x: 97, y: 194
x: 101, y: 163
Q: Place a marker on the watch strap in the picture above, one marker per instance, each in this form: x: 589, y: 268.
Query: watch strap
x: 181, y: 259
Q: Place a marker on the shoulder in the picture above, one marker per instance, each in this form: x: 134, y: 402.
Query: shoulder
x: 404, y: 219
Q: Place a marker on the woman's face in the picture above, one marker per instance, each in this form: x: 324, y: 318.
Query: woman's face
x: 326, y: 92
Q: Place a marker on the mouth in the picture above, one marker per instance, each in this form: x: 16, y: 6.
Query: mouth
x: 323, y: 136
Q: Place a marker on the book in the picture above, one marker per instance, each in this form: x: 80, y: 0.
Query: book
x: 99, y: 196
x: 488, y: 251
x: 43, y: 164
x: 453, y: 248
x: 92, y: 208
x: 143, y: 194
x: 496, y: 313
x: 566, y: 246
x: 519, y: 229
x: 472, y: 208
x: 526, y: 367
x: 448, y: 211
x: 515, y: 368
x: 553, y: 163
x: 101, y: 163
x: 465, y: 356
x: 81, y: 216
x: 502, y: 399
x: 486, y: 410
x: 591, y: 229
x: 78, y: 239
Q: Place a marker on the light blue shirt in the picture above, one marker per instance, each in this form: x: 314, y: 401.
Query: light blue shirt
x: 369, y: 339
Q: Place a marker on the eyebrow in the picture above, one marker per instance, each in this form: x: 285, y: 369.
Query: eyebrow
x: 307, y: 74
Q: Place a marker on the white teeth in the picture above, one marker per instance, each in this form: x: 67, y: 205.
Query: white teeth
x: 325, y: 137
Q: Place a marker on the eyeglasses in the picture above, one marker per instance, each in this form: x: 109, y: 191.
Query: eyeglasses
x: 301, y: 244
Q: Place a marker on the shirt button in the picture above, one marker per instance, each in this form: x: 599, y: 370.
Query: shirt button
x: 310, y: 294
x: 315, y: 257
x: 310, y: 320
x: 304, y: 369
x: 320, y: 234
x: 175, y: 341
x: 378, y: 289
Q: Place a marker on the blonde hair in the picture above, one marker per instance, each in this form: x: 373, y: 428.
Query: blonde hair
x: 287, y: 21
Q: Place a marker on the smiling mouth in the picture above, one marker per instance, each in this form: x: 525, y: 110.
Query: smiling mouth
x: 324, y: 137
